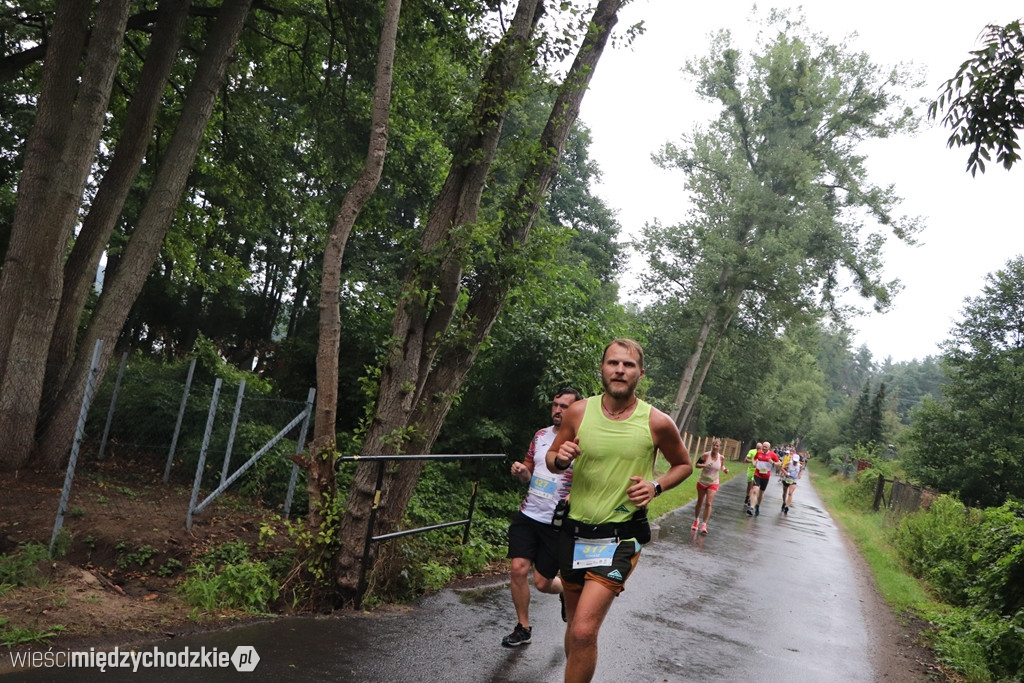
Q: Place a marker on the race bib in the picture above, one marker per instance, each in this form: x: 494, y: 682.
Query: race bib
x: 543, y: 487
x: 594, y: 552
x: 763, y: 466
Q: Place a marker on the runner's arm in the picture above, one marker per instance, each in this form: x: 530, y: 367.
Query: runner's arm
x: 565, y: 448
x: 670, y: 443
x: 525, y: 471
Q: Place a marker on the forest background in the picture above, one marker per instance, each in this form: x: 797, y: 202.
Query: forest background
x: 394, y: 205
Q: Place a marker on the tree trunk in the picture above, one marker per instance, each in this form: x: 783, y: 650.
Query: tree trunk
x: 322, y: 484
x: 691, y: 403
x: 421, y: 379
x: 58, y: 158
x: 409, y: 360
x: 83, y: 262
x: 694, y: 358
x: 121, y: 290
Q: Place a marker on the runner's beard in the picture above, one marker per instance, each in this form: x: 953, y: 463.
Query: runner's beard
x: 619, y: 393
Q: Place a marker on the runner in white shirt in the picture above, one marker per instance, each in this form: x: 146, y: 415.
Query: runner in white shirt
x: 711, y: 464
x: 792, y: 468
x: 532, y: 540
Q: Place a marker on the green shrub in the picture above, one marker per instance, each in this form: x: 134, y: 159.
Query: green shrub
x: 937, y: 544
x: 435, y: 576
x: 225, y: 577
x: 168, y: 568
x: 140, y: 556
x: 997, y: 560
x: 980, y: 645
x: 232, y: 552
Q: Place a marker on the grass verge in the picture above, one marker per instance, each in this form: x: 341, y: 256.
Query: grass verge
x: 870, y: 533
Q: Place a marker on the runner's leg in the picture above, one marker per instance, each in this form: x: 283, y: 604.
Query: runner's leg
x: 591, y: 608
x: 520, y: 587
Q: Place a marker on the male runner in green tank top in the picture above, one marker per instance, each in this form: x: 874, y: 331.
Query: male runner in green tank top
x: 611, y: 441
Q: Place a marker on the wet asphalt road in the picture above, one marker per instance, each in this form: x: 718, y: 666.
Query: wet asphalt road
x: 771, y: 598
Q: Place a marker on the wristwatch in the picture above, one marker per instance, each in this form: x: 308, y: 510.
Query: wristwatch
x: 657, y: 489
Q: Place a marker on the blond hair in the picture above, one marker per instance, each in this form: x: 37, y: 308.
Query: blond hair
x: 629, y: 345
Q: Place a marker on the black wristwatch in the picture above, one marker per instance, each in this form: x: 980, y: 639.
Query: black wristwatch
x: 657, y: 489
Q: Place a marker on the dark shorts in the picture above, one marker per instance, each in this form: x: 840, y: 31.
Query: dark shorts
x: 789, y: 481
x: 612, y: 576
x: 761, y: 482
x: 535, y: 541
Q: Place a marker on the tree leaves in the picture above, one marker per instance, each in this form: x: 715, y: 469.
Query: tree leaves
x: 985, y: 99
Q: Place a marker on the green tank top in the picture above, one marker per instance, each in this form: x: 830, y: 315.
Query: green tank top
x: 611, y: 451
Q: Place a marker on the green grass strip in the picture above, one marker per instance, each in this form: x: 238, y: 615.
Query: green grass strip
x: 869, y: 531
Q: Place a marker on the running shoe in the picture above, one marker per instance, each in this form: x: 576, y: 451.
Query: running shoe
x: 704, y: 528
x: 750, y: 510
x: 561, y: 599
x: 746, y: 501
x: 757, y: 510
x: 785, y: 509
x: 519, y: 636
x: 693, y: 527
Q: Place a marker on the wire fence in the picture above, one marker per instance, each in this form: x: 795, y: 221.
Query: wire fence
x: 149, y: 433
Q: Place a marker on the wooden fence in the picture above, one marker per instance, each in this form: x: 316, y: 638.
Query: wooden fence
x: 902, y: 497
x: 699, y: 444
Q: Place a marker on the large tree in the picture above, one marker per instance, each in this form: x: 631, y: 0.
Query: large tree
x: 322, y: 481
x: 77, y: 78
x: 969, y: 443
x: 445, y: 313
x: 784, y: 215
x: 232, y: 231
x: 81, y: 62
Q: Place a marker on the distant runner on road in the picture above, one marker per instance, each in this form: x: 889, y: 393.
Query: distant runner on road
x: 763, y: 462
x: 792, y: 468
x: 710, y: 464
x: 750, y: 475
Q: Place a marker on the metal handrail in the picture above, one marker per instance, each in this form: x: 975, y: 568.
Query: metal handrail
x: 377, y: 494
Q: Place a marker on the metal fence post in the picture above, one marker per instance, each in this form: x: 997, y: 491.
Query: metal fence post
x: 202, y: 453
x: 469, y: 514
x: 177, y: 426
x: 69, y: 476
x: 300, y: 445
x: 231, y: 434
x: 365, y: 566
x: 113, y: 404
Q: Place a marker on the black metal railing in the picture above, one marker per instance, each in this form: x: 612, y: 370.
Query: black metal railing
x: 381, y: 460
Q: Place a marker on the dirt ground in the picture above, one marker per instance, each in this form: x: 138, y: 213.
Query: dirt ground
x: 127, y: 547
x: 125, y: 550
x: 898, y: 651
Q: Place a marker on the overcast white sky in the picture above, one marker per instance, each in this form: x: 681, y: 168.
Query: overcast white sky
x: 639, y: 99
